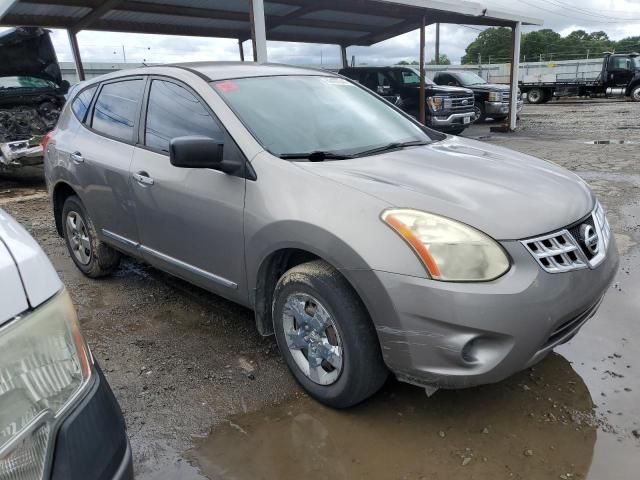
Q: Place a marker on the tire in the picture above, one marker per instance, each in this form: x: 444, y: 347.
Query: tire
x: 536, y: 96
x: 315, y: 300
x: 480, y: 113
x: 93, y: 257
x: 635, y: 93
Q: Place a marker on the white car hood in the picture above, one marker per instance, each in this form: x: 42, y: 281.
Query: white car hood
x: 27, y: 278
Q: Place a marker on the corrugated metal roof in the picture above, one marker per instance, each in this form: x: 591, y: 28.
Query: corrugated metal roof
x: 49, y: 10
x: 162, y: 19
x: 346, y: 22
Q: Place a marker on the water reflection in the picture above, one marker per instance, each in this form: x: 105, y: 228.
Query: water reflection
x: 538, y: 424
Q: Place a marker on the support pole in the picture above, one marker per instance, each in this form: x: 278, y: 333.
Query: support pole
x: 422, y: 113
x: 515, y: 70
x: 343, y: 56
x: 75, y: 51
x: 437, y: 44
x: 258, y: 31
x: 241, y: 49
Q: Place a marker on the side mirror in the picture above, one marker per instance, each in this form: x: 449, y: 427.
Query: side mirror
x: 200, y: 152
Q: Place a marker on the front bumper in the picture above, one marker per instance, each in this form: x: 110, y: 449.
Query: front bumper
x: 456, y: 335
x: 92, y: 441
x: 452, y: 120
x: 500, y: 108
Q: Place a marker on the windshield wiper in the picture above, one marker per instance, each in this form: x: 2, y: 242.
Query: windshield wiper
x: 390, y: 146
x: 315, y: 156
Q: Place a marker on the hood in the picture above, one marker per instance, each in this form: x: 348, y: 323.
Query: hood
x: 445, y: 89
x: 506, y: 194
x: 37, y: 277
x: 13, y: 300
x: 28, y: 51
x: 490, y: 87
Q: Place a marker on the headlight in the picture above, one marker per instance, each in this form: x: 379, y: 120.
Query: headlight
x: 495, y: 96
x: 449, y: 250
x: 603, y: 225
x: 44, y: 366
x: 436, y: 103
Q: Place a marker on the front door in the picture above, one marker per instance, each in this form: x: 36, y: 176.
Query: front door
x: 620, y: 71
x: 190, y: 220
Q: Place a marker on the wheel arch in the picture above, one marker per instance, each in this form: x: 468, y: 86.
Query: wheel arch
x: 264, y: 271
x: 60, y: 192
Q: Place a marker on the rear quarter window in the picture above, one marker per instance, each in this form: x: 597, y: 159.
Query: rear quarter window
x: 80, y: 104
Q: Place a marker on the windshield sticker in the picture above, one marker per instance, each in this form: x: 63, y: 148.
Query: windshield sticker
x: 227, y: 86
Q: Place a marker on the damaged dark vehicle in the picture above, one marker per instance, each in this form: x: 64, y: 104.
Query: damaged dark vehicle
x: 32, y: 93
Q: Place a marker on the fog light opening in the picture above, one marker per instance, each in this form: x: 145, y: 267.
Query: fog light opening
x: 469, y: 352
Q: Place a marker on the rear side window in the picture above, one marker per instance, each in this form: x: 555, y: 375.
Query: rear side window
x: 173, y: 112
x: 81, y: 103
x: 116, y: 108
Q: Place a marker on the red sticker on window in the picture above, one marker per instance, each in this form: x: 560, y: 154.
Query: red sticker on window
x: 227, y: 86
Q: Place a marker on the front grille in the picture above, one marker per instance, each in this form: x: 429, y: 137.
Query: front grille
x: 581, y: 245
x: 458, y: 102
x: 556, y: 252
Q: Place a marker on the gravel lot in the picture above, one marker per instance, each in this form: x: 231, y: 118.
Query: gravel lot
x: 205, y: 396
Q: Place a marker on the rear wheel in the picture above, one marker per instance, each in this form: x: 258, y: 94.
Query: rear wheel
x: 635, y: 93
x: 326, y: 336
x: 536, y: 95
x: 93, y: 257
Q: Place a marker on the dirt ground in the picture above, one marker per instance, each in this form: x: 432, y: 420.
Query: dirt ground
x: 205, y: 396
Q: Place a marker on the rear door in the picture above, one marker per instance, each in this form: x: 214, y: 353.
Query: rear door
x: 190, y: 220
x: 102, y: 154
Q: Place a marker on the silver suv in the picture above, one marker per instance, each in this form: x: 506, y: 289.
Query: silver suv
x: 365, y: 242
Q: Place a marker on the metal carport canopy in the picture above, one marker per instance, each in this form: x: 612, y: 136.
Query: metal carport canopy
x: 340, y: 22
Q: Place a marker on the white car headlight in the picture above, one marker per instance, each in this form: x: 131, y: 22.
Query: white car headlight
x: 44, y: 366
x: 449, y: 250
x: 495, y: 96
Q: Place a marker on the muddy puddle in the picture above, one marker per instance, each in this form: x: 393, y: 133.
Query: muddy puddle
x: 539, y: 424
x: 575, y: 415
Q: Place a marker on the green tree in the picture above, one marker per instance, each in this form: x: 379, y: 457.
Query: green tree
x: 628, y: 45
x: 444, y: 60
x: 494, y: 42
x: 403, y: 62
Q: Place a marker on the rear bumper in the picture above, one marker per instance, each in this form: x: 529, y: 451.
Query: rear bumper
x: 92, y: 441
x: 456, y: 335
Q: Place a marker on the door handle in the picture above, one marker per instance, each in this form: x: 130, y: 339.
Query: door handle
x: 143, y: 178
x: 77, y: 157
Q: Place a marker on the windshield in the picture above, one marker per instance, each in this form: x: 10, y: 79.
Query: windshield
x: 466, y: 78
x: 296, y: 114
x: 24, y: 82
x: 409, y: 77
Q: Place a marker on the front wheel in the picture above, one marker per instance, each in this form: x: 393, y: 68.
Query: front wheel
x: 326, y: 336
x: 635, y: 93
x: 478, y: 108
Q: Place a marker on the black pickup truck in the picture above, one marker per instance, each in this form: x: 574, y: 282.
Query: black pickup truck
x: 491, y: 99
x: 619, y: 76
x: 449, y: 109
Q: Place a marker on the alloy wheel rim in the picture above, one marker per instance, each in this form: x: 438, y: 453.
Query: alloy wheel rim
x: 478, y: 113
x: 533, y: 96
x: 312, y: 338
x: 78, y: 238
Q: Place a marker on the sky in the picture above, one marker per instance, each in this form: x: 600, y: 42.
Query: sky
x: 619, y: 18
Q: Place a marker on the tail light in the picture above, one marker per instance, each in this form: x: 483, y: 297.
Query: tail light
x: 45, y: 140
